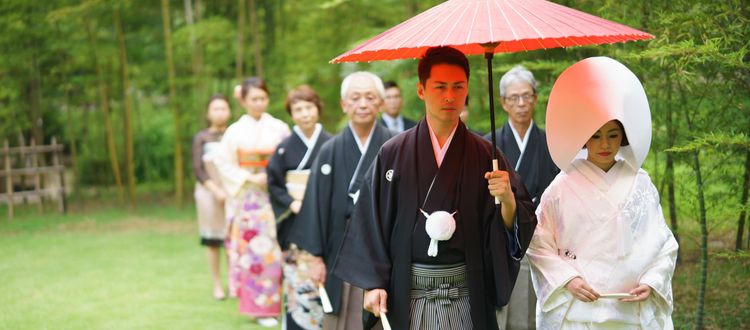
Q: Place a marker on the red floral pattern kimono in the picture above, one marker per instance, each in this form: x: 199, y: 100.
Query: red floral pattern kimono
x: 255, y: 259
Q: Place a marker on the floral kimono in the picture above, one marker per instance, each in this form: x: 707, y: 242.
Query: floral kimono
x: 254, y: 255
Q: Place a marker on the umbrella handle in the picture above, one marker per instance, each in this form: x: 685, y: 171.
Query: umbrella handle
x: 489, y: 49
x: 495, y: 167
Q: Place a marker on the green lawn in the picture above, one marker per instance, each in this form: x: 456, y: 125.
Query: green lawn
x: 108, y: 270
x: 101, y: 267
x: 727, y: 304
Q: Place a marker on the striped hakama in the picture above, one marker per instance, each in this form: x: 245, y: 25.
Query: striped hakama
x: 439, y: 297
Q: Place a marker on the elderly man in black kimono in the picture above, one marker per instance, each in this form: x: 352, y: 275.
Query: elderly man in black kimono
x: 525, y: 146
x: 520, y: 139
x: 334, y: 187
x: 399, y: 246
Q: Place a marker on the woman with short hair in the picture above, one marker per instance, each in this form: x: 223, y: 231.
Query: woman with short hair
x: 287, y: 178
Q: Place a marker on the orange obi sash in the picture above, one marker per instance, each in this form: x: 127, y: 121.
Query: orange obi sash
x: 249, y: 159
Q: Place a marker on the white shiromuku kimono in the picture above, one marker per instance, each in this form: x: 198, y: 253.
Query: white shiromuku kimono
x: 607, y: 228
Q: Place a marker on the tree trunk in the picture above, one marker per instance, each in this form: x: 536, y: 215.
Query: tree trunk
x: 71, y: 137
x: 238, y: 67
x: 269, y: 28
x: 200, y: 92
x: 256, y: 39
x: 743, y: 203
x: 669, y: 175
x: 34, y: 89
x: 72, y: 142
x: 198, y: 61
x: 178, y: 172
x: 747, y: 168
x: 129, y: 162
x: 700, y: 308
x: 104, y: 106
x: 699, y: 313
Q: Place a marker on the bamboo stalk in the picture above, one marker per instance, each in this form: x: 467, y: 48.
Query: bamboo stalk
x: 37, y: 178
x: 128, y: 122
x: 8, y: 180
x: 166, y: 20
x: 61, y: 176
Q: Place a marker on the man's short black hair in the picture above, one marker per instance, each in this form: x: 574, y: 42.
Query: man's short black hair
x: 441, y: 55
x: 390, y: 84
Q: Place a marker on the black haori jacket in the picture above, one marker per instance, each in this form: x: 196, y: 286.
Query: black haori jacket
x: 377, y: 249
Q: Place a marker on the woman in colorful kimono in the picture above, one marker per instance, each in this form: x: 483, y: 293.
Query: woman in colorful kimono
x: 254, y: 254
x: 209, y: 195
x: 602, y: 255
x: 287, y: 178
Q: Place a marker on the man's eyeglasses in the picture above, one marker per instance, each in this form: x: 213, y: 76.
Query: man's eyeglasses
x: 369, y: 99
x: 515, y: 98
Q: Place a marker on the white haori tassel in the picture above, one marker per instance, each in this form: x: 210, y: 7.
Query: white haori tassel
x: 440, y: 226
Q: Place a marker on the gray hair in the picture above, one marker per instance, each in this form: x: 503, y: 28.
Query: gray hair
x: 518, y: 74
x: 363, y: 74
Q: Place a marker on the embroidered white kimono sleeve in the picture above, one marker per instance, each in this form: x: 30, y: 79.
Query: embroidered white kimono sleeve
x: 543, y: 249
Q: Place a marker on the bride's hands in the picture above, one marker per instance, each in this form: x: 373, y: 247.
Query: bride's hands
x: 641, y: 292
x: 581, y: 290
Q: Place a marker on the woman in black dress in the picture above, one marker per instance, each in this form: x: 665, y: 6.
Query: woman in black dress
x: 287, y: 176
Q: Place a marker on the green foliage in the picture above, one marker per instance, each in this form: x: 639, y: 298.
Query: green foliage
x: 217, y: 37
x: 697, y: 67
x: 714, y: 140
x: 154, y: 148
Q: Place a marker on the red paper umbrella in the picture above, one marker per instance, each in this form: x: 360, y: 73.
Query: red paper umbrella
x: 516, y: 25
x: 488, y: 27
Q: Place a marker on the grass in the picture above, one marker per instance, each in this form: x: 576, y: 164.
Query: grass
x: 727, y: 303
x: 103, y: 267
x: 108, y: 269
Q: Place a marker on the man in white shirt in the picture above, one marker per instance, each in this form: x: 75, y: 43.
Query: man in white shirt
x: 392, y: 117
x: 525, y: 147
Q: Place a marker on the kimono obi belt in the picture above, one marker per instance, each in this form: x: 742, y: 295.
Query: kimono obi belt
x: 253, y: 159
x: 439, y: 284
x: 296, y: 182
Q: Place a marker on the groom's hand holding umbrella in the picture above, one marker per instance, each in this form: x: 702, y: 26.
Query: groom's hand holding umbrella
x: 498, y: 183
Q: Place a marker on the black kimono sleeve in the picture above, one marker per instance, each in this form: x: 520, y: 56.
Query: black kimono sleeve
x: 363, y: 259
x: 309, y: 231
x: 276, y: 171
x: 508, y: 246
